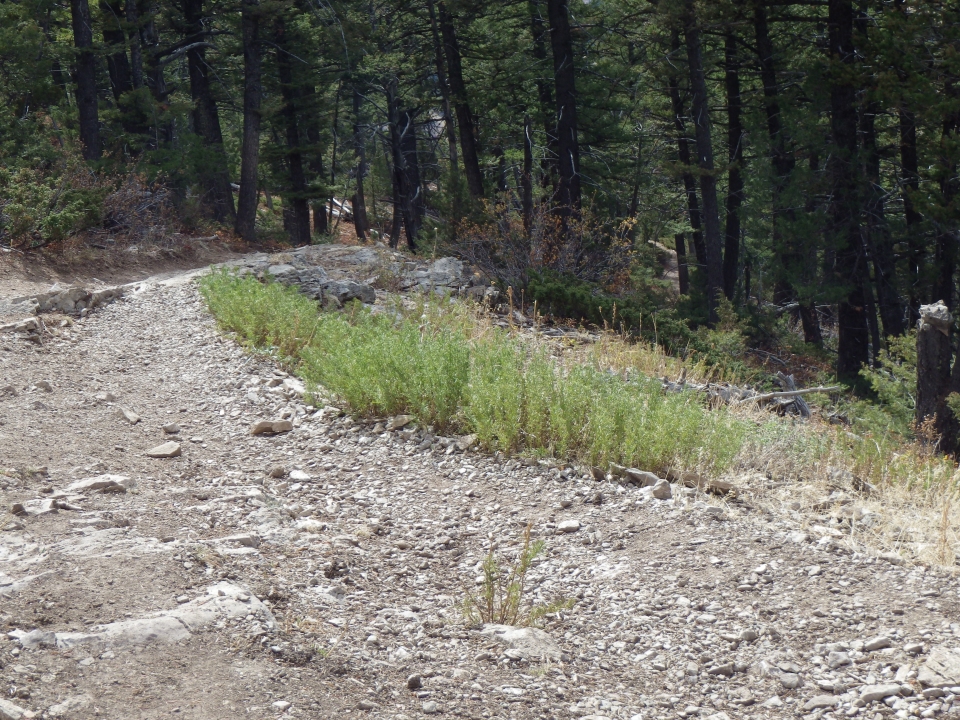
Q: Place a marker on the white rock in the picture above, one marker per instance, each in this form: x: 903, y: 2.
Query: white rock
x: 271, y: 427
x: 941, y: 669
x: 9, y: 711
x: 662, y: 490
x: 102, y: 483
x: 568, y: 526
x: 874, y: 693
x: 222, y: 602
x: 68, y: 707
x: 166, y: 450
x: 399, y: 421
x: 530, y: 642
x: 127, y: 414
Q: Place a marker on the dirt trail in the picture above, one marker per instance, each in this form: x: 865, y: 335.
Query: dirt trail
x: 319, y: 573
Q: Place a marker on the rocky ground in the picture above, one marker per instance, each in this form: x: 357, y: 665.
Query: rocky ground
x: 320, y: 572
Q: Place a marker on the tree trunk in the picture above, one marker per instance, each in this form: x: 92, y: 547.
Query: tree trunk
x: 206, y: 118
x: 136, y: 54
x: 458, y: 90
x: 86, y: 79
x: 526, y: 180
x: 853, y: 346
x: 406, y: 167
x: 315, y: 156
x: 708, y: 181
x: 444, y: 85
x: 153, y: 76
x: 683, y: 157
x: 783, y: 163
x: 538, y: 31
x: 735, y: 140
x: 568, y: 144
x: 296, y: 198
x: 946, y: 243
x: 878, y: 238
x: 250, y: 147
x: 910, y: 183
x: 933, y: 374
x: 118, y: 65
x: 360, y: 223
x: 683, y: 274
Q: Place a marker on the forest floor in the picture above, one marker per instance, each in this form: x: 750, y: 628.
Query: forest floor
x: 319, y: 573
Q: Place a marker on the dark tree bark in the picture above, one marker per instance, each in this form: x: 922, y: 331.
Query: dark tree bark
x: 360, y: 223
x: 250, y: 146
x: 910, y: 183
x: 854, y: 340
x: 86, y: 79
x: 136, y: 54
x: 683, y: 157
x: 708, y: 181
x: 115, y: 40
x: 683, y: 273
x: 153, y: 74
x: 946, y: 242
x: 444, y: 85
x: 206, y: 118
x: 406, y: 167
x: 458, y: 91
x: 538, y: 30
x: 735, y: 139
x: 314, y: 154
x: 783, y: 162
x: 568, y: 144
x: 296, y: 198
x: 526, y: 179
x: 877, y: 236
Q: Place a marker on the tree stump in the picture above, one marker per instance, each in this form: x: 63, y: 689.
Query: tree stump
x: 933, y: 373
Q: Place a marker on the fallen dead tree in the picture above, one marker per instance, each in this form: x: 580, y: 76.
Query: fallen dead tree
x: 787, y: 401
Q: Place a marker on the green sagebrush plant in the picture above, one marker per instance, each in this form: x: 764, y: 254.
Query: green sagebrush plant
x: 431, y: 363
x: 501, y: 595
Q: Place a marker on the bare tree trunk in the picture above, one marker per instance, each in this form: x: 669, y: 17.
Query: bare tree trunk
x: 538, y: 31
x: 86, y: 79
x: 783, y: 165
x: 683, y: 156
x: 250, y: 148
x: 206, y: 118
x: 910, y: 182
x: 118, y: 65
x: 878, y: 237
x: 683, y: 273
x: 934, y: 375
x: 568, y: 144
x: 526, y: 180
x: 735, y: 140
x: 853, y: 349
x: 458, y: 89
x: 315, y: 156
x: 136, y: 54
x: 444, y: 84
x: 360, y: 223
x: 406, y: 168
x: 708, y: 181
x: 296, y: 196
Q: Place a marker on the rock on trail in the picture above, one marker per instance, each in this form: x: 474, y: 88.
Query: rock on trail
x: 319, y: 570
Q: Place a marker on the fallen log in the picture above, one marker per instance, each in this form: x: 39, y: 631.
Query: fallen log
x: 765, y: 397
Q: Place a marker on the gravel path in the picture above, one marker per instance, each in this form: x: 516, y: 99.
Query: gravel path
x: 319, y: 573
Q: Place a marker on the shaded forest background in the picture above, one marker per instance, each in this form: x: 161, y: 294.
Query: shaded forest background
x: 800, y: 158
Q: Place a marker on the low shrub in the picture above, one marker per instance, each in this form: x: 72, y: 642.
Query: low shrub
x: 438, y: 365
